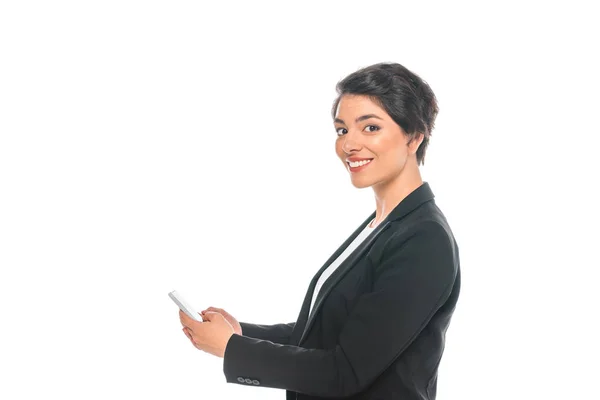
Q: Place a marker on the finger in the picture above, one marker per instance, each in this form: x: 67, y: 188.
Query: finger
x: 190, y: 334
x: 212, y: 315
x: 193, y: 339
x: 199, y: 347
x: 215, y: 317
x: 187, y: 321
x: 197, y: 331
x: 185, y: 330
x: 194, y: 335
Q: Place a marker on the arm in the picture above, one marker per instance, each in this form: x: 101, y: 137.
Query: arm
x: 278, y: 333
x: 413, y: 280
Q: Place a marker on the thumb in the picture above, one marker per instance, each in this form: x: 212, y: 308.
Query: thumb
x: 211, y: 315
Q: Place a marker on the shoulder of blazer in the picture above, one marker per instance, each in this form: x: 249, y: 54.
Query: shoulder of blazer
x: 412, y: 202
x: 417, y: 214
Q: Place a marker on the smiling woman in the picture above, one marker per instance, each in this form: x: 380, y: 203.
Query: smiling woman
x: 375, y: 315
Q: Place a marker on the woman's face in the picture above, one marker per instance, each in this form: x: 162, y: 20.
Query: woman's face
x: 366, y: 131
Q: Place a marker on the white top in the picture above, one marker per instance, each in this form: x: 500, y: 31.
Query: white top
x: 336, y: 263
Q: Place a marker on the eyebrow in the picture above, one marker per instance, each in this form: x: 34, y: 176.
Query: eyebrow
x: 361, y: 118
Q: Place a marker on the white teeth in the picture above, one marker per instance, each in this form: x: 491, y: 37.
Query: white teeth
x: 358, y: 163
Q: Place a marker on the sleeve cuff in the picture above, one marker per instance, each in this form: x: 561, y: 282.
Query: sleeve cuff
x: 237, y: 363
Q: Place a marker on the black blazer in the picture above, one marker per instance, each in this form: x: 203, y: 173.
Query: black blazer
x: 378, y: 327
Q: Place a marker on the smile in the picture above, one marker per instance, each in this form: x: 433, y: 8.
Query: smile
x: 358, y: 165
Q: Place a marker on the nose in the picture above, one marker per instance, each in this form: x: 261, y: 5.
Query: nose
x: 350, y: 144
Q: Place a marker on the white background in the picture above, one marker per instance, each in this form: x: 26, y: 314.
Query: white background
x: 149, y: 146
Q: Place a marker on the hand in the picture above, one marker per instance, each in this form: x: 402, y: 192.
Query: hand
x: 236, y: 325
x: 210, y: 336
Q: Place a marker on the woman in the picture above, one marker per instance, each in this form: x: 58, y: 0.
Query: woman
x: 373, y: 322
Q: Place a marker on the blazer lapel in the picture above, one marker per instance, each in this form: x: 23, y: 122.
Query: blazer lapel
x: 339, y: 273
x: 304, y: 310
x: 304, y: 322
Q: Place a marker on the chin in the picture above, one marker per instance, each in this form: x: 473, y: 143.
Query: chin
x: 361, y: 184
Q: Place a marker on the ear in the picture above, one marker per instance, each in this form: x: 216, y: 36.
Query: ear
x: 413, y: 145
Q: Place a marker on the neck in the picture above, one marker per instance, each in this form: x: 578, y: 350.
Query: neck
x: 390, y: 193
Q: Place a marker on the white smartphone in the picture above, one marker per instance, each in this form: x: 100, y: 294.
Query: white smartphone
x: 185, y: 306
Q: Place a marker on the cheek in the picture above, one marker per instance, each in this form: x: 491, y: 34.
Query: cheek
x: 394, y: 157
x: 402, y: 153
x: 390, y: 149
x: 338, y: 149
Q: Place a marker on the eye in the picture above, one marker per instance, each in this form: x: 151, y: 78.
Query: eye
x: 372, y: 126
x: 338, y: 131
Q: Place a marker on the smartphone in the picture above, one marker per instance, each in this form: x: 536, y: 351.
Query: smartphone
x: 185, y: 306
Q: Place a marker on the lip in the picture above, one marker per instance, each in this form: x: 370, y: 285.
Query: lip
x: 358, y: 169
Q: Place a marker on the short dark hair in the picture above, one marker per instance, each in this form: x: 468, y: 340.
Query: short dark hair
x: 406, y: 97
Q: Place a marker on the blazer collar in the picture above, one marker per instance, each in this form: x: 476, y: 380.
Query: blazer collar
x: 414, y: 199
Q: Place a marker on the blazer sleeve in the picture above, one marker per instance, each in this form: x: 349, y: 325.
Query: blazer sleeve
x: 411, y: 282
x: 278, y: 333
